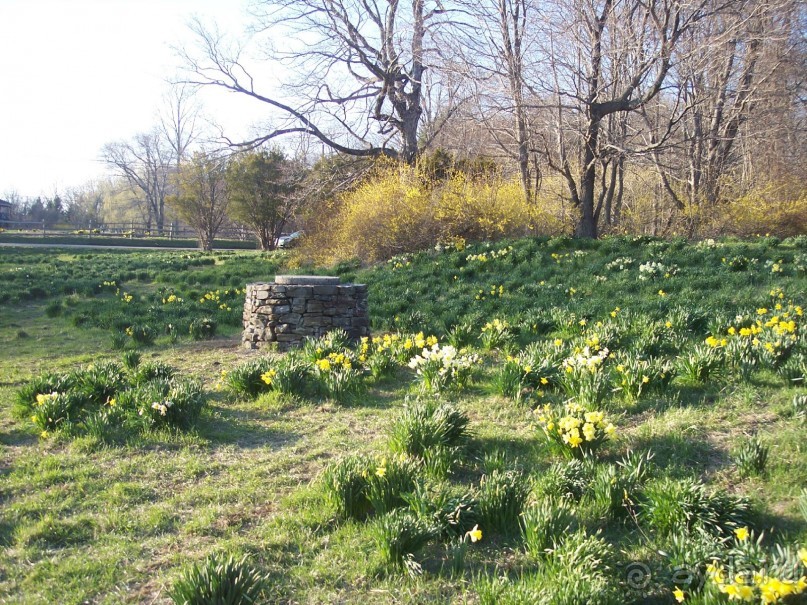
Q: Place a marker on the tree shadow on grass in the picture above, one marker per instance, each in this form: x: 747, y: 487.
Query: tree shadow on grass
x: 779, y: 528
x: 693, y: 396
x: 681, y: 455
x: 17, y: 437
x: 378, y: 399
x: 518, y: 453
x: 7, y: 529
x: 243, y: 428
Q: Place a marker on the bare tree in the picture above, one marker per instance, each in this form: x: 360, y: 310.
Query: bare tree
x: 145, y: 162
x: 731, y: 77
x: 360, y: 67
x: 178, y: 120
x: 85, y: 204
x: 202, y: 199
x: 611, y: 58
x: 498, y: 53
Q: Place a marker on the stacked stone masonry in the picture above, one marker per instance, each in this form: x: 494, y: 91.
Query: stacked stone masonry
x: 292, y: 308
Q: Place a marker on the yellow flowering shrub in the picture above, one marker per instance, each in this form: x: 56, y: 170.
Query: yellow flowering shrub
x: 402, y: 209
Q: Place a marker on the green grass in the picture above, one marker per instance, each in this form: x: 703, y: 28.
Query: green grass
x: 110, y: 240
x: 84, y: 521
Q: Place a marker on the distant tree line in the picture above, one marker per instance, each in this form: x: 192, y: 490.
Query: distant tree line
x: 259, y: 191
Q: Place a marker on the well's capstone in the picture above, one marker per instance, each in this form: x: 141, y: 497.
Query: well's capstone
x: 295, y: 307
x: 307, y: 280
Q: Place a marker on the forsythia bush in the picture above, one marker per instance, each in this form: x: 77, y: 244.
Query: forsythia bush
x: 767, y: 209
x: 402, y: 209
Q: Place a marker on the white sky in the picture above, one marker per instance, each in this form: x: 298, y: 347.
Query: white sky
x: 76, y: 74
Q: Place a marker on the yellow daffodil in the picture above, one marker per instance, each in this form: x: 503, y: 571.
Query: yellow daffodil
x: 575, y: 440
x: 475, y: 534
x: 679, y: 595
x: 741, y: 533
x: 594, y: 417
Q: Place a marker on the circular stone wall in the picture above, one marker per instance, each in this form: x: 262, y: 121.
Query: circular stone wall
x: 295, y: 307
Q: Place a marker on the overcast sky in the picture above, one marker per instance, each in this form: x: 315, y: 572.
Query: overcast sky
x: 76, y: 74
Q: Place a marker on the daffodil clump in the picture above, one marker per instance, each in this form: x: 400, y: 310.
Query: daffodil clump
x: 513, y: 378
x: 339, y: 373
x: 775, y: 266
x: 559, y: 258
x: 247, y: 379
x: 405, y: 345
x: 142, y: 334
x: 573, y: 430
x: 758, y: 578
x: 495, y: 333
x: 766, y: 336
x: 214, y: 297
x: 358, y: 485
x: 105, y: 399
x: 441, y: 369
x: 739, y: 262
x: 400, y: 261
x: 622, y: 263
x: 532, y: 372
x: 635, y: 376
x: 222, y: 299
x: 380, y: 354
x: 582, y: 375
x: 484, y: 257
x: 172, y: 299
x: 51, y: 410
x: 653, y: 270
x: 493, y: 291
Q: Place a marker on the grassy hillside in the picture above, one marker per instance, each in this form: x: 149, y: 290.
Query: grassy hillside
x: 534, y: 421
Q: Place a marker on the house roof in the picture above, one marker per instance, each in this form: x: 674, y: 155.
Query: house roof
x: 5, y: 203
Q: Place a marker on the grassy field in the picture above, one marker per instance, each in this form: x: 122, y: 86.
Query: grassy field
x: 61, y: 239
x: 612, y: 416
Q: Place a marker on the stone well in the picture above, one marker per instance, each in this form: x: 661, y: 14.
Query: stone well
x: 294, y: 307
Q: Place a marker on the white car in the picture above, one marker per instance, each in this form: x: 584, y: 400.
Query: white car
x: 286, y: 241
